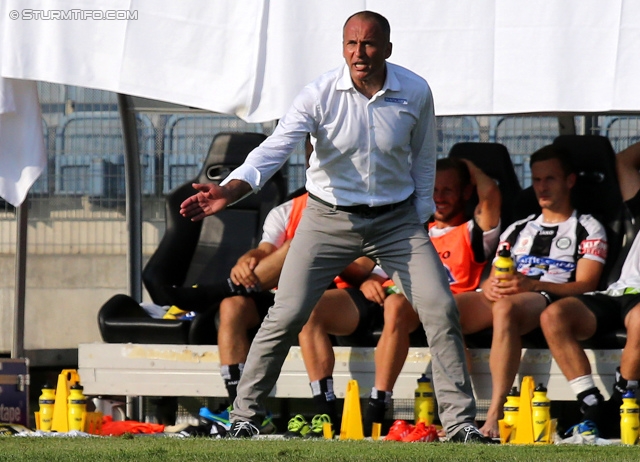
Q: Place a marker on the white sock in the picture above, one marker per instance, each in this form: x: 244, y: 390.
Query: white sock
x: 580, y: 384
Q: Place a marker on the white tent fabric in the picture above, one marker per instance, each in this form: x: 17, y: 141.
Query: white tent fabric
x: 22, y: 151
x: 251, y: 57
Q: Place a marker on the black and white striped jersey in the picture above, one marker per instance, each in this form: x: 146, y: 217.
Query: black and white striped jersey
x: 550, y: 252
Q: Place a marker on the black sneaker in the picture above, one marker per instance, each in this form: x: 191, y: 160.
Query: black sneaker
x: 208, y: 429
x: 606, y: 418
x: 470, y: 434
x: 242, y: 429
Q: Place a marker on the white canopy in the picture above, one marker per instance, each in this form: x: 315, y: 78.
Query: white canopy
x: 251, y: 57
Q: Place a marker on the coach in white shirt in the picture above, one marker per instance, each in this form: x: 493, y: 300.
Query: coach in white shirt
x: 370, y: 182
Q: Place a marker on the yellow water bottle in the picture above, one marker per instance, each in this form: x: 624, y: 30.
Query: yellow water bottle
x: 504, y: 264
x: 541, y: 414
x: 629, y: 419
x: 46, y: 400
x: 77, y: 406
x: 512, y: 407
x: 424, y: 407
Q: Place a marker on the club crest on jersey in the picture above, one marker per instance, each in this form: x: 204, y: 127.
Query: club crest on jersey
x: 563, y: 243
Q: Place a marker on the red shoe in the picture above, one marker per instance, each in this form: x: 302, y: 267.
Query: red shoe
x: 422, y: 433
x: 398, y: 430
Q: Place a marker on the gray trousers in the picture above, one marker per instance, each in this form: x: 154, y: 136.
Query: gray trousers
x: 325, y: 242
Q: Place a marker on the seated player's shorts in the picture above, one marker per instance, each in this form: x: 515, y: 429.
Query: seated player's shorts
x: 609, y: 311
x: 548, y: 296
x: 371, y: 316
x: 263, y: 300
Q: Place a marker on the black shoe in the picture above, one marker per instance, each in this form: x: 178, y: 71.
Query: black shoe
x: 243, y: 429
x: 470, y: 434
x: 204, y: 429
x: 606, y: 417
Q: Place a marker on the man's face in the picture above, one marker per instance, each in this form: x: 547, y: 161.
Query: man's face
x: 365, y: 49
x: 552, y: 187
x: 448, y: 197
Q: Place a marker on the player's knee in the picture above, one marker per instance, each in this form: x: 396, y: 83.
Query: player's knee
x: 556, y: 317
x: 632, y: 320
x: 504, y: 309
x: 235, y: 311
x: 399, y: 313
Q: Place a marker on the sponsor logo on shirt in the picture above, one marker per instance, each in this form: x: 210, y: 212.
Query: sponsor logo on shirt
x: 595, y: 247
x: 530, y: 265
x: 389, y: 99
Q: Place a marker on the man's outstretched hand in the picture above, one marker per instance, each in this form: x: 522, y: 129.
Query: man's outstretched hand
x: 210, y: 199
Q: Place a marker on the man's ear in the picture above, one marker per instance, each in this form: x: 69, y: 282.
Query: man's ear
x: 571, y: 180
x: 389, y: 50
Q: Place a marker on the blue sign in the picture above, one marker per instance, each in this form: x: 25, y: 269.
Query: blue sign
x: 14, y: 391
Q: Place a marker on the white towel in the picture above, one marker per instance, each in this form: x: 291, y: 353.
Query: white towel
x: 22, y: 152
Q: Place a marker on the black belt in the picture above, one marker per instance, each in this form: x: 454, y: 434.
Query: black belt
x: 363, y: 210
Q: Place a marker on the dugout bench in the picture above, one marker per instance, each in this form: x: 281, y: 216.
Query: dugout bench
x: 145, y: 370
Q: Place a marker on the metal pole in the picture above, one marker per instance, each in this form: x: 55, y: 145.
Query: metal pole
x: 17, y: 349
x: 133, y: 196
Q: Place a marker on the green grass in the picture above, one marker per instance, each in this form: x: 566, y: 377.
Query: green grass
x: 141, y: 449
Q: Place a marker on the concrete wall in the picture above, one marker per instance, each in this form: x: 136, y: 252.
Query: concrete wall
x: 63, y: 296
x: 66, y: 289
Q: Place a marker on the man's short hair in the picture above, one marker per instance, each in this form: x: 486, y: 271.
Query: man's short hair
x: 451, y: 163
x: 380, y: 20
x: 554, y: 152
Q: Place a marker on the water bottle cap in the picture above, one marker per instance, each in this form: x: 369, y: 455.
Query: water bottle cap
x: 424, y: 379
x: 504, y: 252
x: 629, y: 394
x: 76, y: 386
x: 514, y: 392
x: 47, y: 386
x: 540, y: 387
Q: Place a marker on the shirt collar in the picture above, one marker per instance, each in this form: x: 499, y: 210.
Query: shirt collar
x: 391, y: 82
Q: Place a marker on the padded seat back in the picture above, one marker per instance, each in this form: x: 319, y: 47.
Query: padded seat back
x: 494, y: 160
x: 196, y: 252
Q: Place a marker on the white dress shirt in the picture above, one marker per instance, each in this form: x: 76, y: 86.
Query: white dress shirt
x: 372, y: 152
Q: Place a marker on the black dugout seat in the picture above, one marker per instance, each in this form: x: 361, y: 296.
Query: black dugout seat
x: 494, y: 160
x: 194, y: 252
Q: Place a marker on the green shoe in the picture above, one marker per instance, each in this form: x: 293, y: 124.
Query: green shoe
x: 268, y: 427
x: 297, y: 427
x: 317, y: 424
